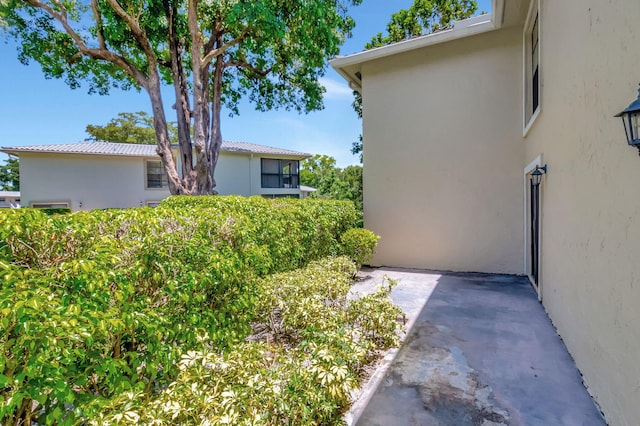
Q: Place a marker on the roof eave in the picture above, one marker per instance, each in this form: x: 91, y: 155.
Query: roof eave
x: 300, y: 156
x: 17, y: 152
x: 349, y: 66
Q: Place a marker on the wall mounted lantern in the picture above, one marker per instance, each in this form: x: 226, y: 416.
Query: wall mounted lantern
x: 631, y: 121
x: 536, y: 176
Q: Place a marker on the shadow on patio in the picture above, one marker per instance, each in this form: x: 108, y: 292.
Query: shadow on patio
x: 479, y: 350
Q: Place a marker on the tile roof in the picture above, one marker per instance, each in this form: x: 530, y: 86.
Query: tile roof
x: 136, y: 150
x: 99, y: 148
x: 253, y: 148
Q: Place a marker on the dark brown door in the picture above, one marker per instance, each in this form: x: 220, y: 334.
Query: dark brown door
x: 535, y: 231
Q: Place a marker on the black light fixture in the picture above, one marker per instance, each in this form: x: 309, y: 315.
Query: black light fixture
x: 631, y: 121
x: 536, y: 176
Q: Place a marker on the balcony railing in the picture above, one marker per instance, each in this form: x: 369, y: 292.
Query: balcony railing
x: 280, y: 180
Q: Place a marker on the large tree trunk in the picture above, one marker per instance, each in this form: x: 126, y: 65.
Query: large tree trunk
x: 216, y: 108
x: 162, y: 135
x: 204, y: 181
x: 181, y: 106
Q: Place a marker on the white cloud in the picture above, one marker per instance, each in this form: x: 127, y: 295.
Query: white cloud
x: 335, y: 89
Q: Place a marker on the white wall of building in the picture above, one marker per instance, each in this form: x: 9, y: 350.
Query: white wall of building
x: 85, y: 181
x: 233, y: 174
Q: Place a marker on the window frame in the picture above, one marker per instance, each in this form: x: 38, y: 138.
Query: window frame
x: 164, y: 183
x: 277, y: 196
x: 283, y: 163
x: 50, y: 204
x: 532, y: 77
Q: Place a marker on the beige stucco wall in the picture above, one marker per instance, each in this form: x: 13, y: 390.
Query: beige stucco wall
x: 591, y: 203
x: 443, y: 155
x: 96, y: 181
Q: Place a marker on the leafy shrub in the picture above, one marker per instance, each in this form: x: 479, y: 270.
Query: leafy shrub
x: 292, y: 230
x: 359, y: 245
x: 52, y: 211
x: 96, y: 305
x: 299, y: 367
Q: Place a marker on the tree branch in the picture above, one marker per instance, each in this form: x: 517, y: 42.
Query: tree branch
x: 183, y: 110
x: 98, y: 17
x: 137, y: 31
x: 102, y: 53
x: 247, y: 66
x: 208, y: 57
x: 212, y: 40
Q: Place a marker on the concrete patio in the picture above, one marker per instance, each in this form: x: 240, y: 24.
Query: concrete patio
x: 479, y: 350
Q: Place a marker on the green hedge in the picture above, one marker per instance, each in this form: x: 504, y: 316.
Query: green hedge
x: 97, y: 304
x: 359, y: 245
x: 305, y: 357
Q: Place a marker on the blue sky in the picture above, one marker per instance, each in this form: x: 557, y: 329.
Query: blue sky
x: 34, y: 110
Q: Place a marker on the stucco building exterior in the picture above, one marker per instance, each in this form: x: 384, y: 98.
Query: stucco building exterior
x: 90, y: 175
x: 455, y: 124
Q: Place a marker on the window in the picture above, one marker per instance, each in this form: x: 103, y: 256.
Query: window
x: 50, y: 205
x: 280, y: 173
x: 156, y: 176
x: 532, y: 65
x: 153, y: 203
x: 274, y: 196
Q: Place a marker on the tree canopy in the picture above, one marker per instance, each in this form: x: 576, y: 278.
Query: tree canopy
x: 129, y: 127
x: 10, y: 175
x: 330, y: 181
x: 422, y: 17
x: 212, y: 53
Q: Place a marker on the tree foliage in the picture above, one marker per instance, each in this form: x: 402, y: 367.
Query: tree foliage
x: 330, y: 181
x: 356, y: 147
x: 422, y: 17
x: 212, y: 53
x: 10, y: 175
x: 129, y: 127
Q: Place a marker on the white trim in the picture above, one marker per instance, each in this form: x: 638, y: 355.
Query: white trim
x: 534, y: 10
x: 529, y: 168
x: 532, y: 120
x: 464, y: 28
x: 497, y: 12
